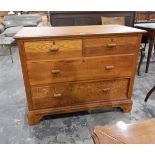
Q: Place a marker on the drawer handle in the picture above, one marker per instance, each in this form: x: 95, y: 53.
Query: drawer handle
x: 109, y: 67
x: 55, y: 71
x: 57, y: 95
x: 106, y: 90
x: 56, y: 49
x: 111, y: 45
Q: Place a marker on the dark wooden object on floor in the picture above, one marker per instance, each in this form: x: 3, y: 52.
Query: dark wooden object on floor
x: 150, y: 27
x: 76, y: 68
x: 121, y: 133
x: 149, y: 93
x: 76, y: 18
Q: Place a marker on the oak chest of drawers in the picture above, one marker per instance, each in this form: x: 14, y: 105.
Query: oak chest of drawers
x: 69, y: 69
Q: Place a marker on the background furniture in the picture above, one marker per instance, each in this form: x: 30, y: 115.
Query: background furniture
x: 144, y: 16
x: 13, y: 23
x: 44, y: 14
x: 150, y: 27
x: 7, y: 43
x: 68, y: 69
x: 142, y: 55
x: 121, y: 133
x: 73, y: 18
x: 112, y: 20
x: 2, y: 14
x: 149, y: 93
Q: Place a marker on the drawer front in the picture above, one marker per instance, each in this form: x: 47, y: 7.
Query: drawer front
x: 80, y: 69
x: 110, y: 45
x: 73, y: 93
x: 53, y: 49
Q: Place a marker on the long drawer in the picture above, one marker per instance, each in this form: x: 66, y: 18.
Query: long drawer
x: 110, y: 45
x: 73, y: 93
x: 54, y: 49
x: 79, y: 69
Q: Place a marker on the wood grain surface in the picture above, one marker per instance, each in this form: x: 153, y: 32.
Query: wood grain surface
x: 73, y: 93
x: 110, y: 45
x: 73, y: 31
x: 53, y: 49
x: 141, y: 132
x: 47, y: 72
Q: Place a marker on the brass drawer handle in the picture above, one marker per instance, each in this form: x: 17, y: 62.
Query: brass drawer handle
x: 56, y: 49
x: 55, y: 71
x: 111, y: 45
x: 106, y: 90
x: 109, y: 67
x: 57, y: 95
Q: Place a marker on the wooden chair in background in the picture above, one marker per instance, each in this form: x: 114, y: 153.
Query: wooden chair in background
x: 149, y: 93
x: 113, y: 20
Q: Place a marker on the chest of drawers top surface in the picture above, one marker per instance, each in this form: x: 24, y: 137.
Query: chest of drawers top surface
x: 68, y: 31
x: 76, y: 68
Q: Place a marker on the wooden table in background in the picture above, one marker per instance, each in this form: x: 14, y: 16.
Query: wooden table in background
x: 150, y: 27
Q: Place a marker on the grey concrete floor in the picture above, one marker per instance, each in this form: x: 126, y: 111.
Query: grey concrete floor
x: 69, y: 128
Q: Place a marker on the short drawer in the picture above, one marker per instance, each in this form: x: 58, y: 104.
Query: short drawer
x: 54, y: 49
x: 69, y: 94
x: 110, y: 45
x: 47, y: 72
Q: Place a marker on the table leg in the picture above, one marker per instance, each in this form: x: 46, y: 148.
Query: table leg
x: 149, y: 53
x: 142, y: 55
x: 10, y: 51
